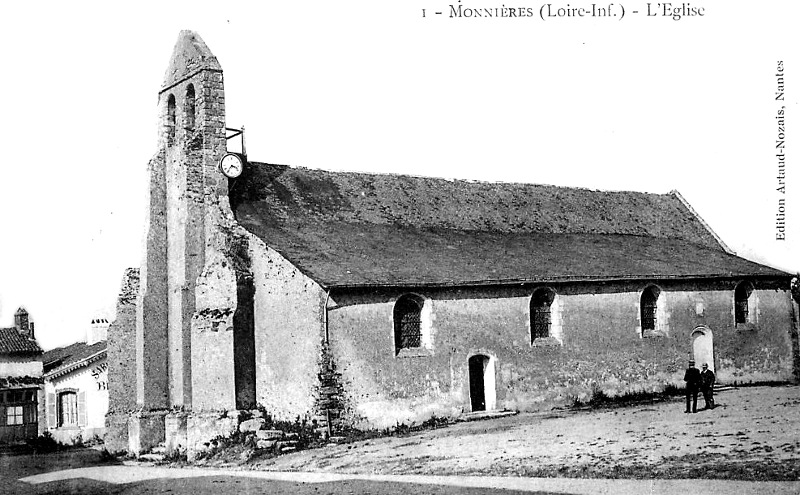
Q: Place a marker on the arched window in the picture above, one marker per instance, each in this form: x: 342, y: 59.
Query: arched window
x: 171, y: 120
x: 649, y: 309
x: 408, y: 322
x: 742, y: 295
x: 189, y: 107
x: 542, y: 314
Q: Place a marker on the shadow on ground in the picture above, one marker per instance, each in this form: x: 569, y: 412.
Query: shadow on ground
x: 23, y: 463
x: 231, y: 484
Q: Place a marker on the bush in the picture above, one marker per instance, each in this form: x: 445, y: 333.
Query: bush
x: 600, y: 399
x: 45, y: 443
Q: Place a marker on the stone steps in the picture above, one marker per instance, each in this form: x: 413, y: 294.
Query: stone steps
x: 476, y: 415
x: 287, y: 446
x: 156, y: 454
x: 159, y: 449
x: 269, y: 434
x: 277, y: 440
x: 151, y: 457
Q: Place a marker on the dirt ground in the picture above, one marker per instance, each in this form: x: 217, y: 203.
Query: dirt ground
x: 218, y: 485
x: 752, y: 434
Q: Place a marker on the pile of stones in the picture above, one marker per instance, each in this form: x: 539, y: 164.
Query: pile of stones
x: 264, y: 439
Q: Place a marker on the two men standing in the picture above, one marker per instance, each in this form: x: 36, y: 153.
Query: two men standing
x: 697, y: 381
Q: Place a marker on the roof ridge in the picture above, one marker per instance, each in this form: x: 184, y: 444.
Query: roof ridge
x: 73, y: 365
x: 453, y: 179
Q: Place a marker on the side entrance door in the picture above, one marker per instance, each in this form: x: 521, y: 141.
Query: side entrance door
x: 703, y: 347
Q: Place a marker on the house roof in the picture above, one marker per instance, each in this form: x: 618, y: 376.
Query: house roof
x: 12, y: 342
x: 65, y: 359
x: 353, y: 229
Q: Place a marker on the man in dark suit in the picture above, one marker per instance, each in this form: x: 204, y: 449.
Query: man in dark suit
x: 692, y: 379
x: 707, y: 380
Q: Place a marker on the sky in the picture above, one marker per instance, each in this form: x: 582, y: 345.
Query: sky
x: 624, y: 102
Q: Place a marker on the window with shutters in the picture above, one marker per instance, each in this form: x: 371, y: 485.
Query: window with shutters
x: 412, y: 333
x: 744, y: 303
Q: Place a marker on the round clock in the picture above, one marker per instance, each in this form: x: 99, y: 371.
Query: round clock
x: 231, y: 164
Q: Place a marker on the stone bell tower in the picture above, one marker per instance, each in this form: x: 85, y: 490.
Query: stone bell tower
x: 188, y: 287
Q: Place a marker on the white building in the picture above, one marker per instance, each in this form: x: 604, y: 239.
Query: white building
x: 76, y: 387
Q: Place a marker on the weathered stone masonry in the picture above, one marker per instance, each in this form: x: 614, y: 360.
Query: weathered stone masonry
x: 122, y: 364
x: 602, y: 350
x: 284, y: 293
x: 195, y: 272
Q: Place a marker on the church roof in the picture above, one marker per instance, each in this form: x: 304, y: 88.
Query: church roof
x: 12, y: 342
x: 348, y: 229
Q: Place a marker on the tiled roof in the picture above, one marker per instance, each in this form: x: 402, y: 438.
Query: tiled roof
x: 63, y: 358
x: 353, y: 229
x: 12, y: 342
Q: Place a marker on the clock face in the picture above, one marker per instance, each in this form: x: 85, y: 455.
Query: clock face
x: 231, y: 165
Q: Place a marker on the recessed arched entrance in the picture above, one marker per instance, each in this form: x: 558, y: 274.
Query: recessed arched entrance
x: 703, y: 347
x: 481, y: 383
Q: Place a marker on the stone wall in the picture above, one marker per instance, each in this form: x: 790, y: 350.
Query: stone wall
x: 122, y: 364
x: 603, y: 348
x: 330, y: 408
x: 288, y: 334
x: 121, y: 341
x: 151, y: 309
x: 203, y: 428
x: 214, y: 351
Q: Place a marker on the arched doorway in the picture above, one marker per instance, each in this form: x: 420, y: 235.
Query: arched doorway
x: 481, y: 383
x: 703, y: 347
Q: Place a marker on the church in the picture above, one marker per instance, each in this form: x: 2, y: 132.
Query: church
x: 374, y: 300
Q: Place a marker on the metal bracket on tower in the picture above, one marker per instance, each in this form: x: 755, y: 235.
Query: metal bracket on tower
x: 236, y: 133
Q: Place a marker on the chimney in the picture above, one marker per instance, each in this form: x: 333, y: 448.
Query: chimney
x: 23, y: 323
x: 98, y: 331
